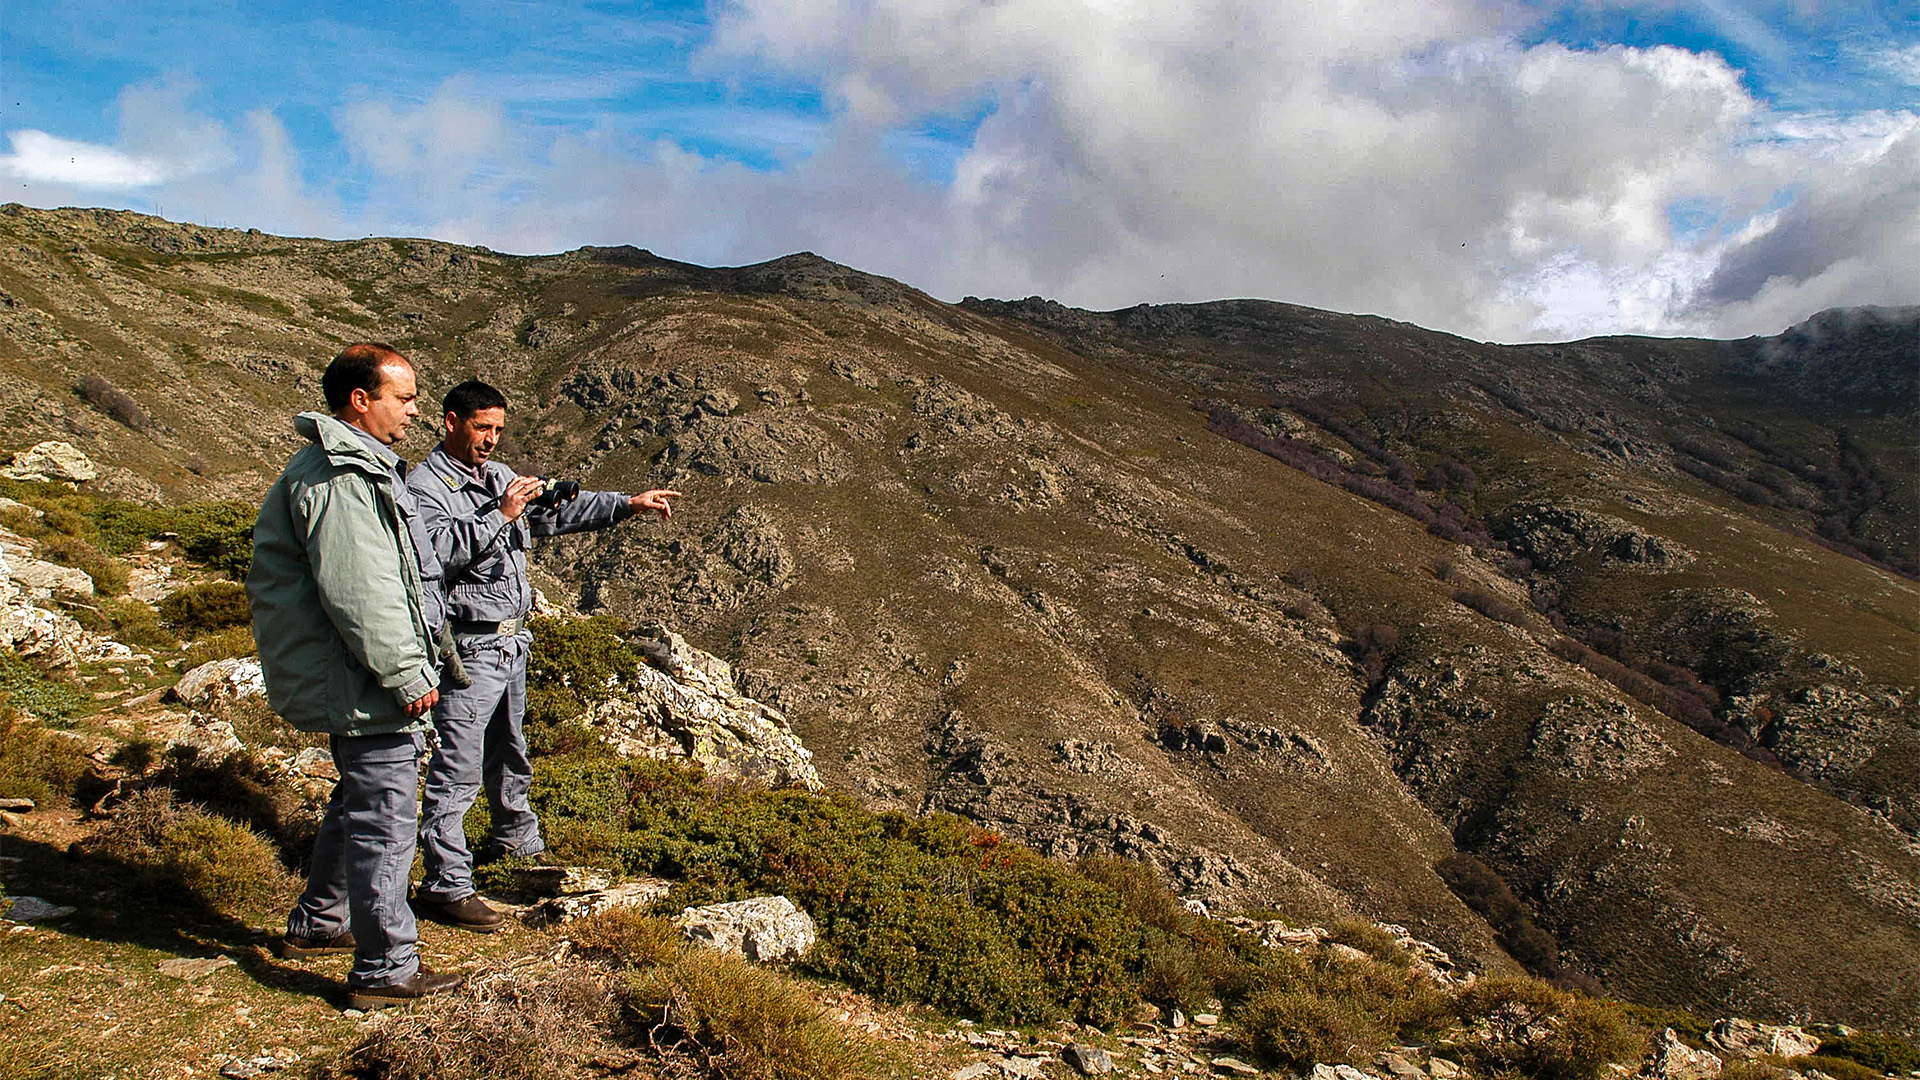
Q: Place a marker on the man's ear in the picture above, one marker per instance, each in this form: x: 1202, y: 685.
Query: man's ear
x: 359, y: 400
x: 449, y: 420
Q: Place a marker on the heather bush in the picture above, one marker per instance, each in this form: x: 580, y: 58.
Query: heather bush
x: 1487, y: 893
x: 221, y: 645
x: 574, y: 664
x: 1370, y: 939
x: 1874, y: 1049
x: 96, y: 391
x: 1525, y: 1026
x: 179, y: 850
x: 109, y: 574
x: 34, y: 762
x: 203, y: 609
x: 740, y: 1021
x: 1493, y: 607
x: 1298, y: 1028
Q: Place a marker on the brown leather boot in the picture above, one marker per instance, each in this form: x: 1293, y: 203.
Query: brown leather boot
x: 292, y: 947
x: 423, y: 983
x: 466, y: 913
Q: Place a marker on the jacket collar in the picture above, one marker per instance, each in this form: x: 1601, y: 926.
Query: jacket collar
x: 453, y: 473
x: 342, y: 444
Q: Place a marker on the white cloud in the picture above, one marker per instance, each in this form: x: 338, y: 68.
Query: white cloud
x: 50, y: 159
x: 1416, y: 161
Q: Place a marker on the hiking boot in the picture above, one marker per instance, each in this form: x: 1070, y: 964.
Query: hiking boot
x: 294, y: 947
x: 423, y: 983
x: 466, y: 913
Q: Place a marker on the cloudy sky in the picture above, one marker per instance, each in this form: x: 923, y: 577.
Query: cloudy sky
x: 1504, y: 169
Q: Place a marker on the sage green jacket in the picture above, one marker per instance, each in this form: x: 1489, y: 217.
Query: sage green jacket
x: 336, y: 591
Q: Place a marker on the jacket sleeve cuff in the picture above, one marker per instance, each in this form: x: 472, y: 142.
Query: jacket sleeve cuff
x: 416, y: 688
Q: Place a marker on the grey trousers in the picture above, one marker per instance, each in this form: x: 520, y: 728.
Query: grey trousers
x: 361, y: 857
x: 480, y: 745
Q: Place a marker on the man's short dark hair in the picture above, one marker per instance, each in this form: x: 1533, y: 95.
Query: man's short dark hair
x: 357, y: 368
x: 470, y: 397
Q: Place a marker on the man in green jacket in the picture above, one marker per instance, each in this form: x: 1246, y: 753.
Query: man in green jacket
x: 344, y: 628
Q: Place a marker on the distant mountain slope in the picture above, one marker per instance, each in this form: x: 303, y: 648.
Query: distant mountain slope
x: 1298, y: 605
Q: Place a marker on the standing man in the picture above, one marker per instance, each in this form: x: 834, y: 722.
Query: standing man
x: 481, y: 518
x: 343, y: 623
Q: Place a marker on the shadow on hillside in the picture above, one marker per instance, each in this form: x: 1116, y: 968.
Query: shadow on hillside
x: 113, y: 907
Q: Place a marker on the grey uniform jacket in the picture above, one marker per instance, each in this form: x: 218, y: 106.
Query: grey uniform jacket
x: 481, y: 553
x: 339, y: 608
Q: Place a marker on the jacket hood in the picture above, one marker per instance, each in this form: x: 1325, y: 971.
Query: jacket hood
x: 338, y: 439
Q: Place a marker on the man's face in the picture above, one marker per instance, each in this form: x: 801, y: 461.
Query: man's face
x: 471, y: 439
x: 391, y: 406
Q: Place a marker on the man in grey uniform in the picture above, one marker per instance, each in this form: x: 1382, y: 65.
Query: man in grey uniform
x: 344, y: 628
x: 481, y: 518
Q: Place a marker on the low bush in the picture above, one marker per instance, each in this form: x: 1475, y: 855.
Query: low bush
x: 1298, y: 1028
x: 1494, y: 608
x: 216, y: 534
x: 575, y: 664
x: 1525, y: 1026
x: 737, y: 1020
x: 526, y: 1022
x: 27, y: 687
x: 35, y: 763
x: 627, y: 937
x: 96, y: 391
x: 137, y: 624
x: 1691, y: 1027
x: 1487, y: 893
x: 1370, y: 939
x: 109, y: 574
x: 1874, y: 1049
x: 909, y: 909
x: 202, y: 609
x: 224, y: 645
x: 1837, y: 1067
x: 180, y: 851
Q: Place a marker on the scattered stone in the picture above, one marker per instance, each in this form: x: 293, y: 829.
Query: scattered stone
x: 52, y: 462
x: 211, y: 741
x: 1338, y: 1072
x: 1670, y: 1059
x: 194, y: 967
x: 1235, y: 1065
x: 1205, y: 1019
x: 1399, y: 1066
x: 1087, y: 1059
x: 1442, y: 1069
x: 32, y: 909
x: 1029, y: 1068
x: 766, y: 929
x: 1178, y: 1020
x: 317, y: 762
x: 972, y: 1072
x: 18, y: 806
x: 1745, y: 1038
x: 232, y: 679
x: 560, y: 909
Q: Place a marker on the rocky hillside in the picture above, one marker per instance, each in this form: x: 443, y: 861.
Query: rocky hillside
x: 1315, y: 611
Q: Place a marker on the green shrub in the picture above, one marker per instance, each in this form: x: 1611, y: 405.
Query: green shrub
x: 137, y: 624
x: 1691, y: 1027
x: 179, y: 850
x: 1296, y: 1027
x: 742, y: 1021
x: 30, y: 689
x: 202, y: 609
x: 1142, y: 889
x: 35, y: 763
x: 225, y: 645
x: 909, y: 909
x: 1370, y: 939
x: 1877, y: 1050
x: 1839, y: 1068
x: 1528, y: 1027
x: 576, y: 663
x: 109, y: 574
x: 215, y: 534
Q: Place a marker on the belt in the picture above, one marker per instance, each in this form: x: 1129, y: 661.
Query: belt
x: 463, y: 628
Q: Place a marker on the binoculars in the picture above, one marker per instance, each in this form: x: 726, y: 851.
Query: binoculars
x: 554, y: 492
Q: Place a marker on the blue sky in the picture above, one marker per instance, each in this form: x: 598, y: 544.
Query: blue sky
x: 1504, y: 171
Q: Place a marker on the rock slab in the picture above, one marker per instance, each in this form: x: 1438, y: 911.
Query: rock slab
x: 765, y: 929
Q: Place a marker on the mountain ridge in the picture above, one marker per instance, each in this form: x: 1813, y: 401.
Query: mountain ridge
x: 1191, y: 597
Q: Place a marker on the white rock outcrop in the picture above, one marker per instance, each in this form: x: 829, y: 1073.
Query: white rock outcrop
x: 765, y: 929
x: 52, y: 461
x: 684, y: 704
